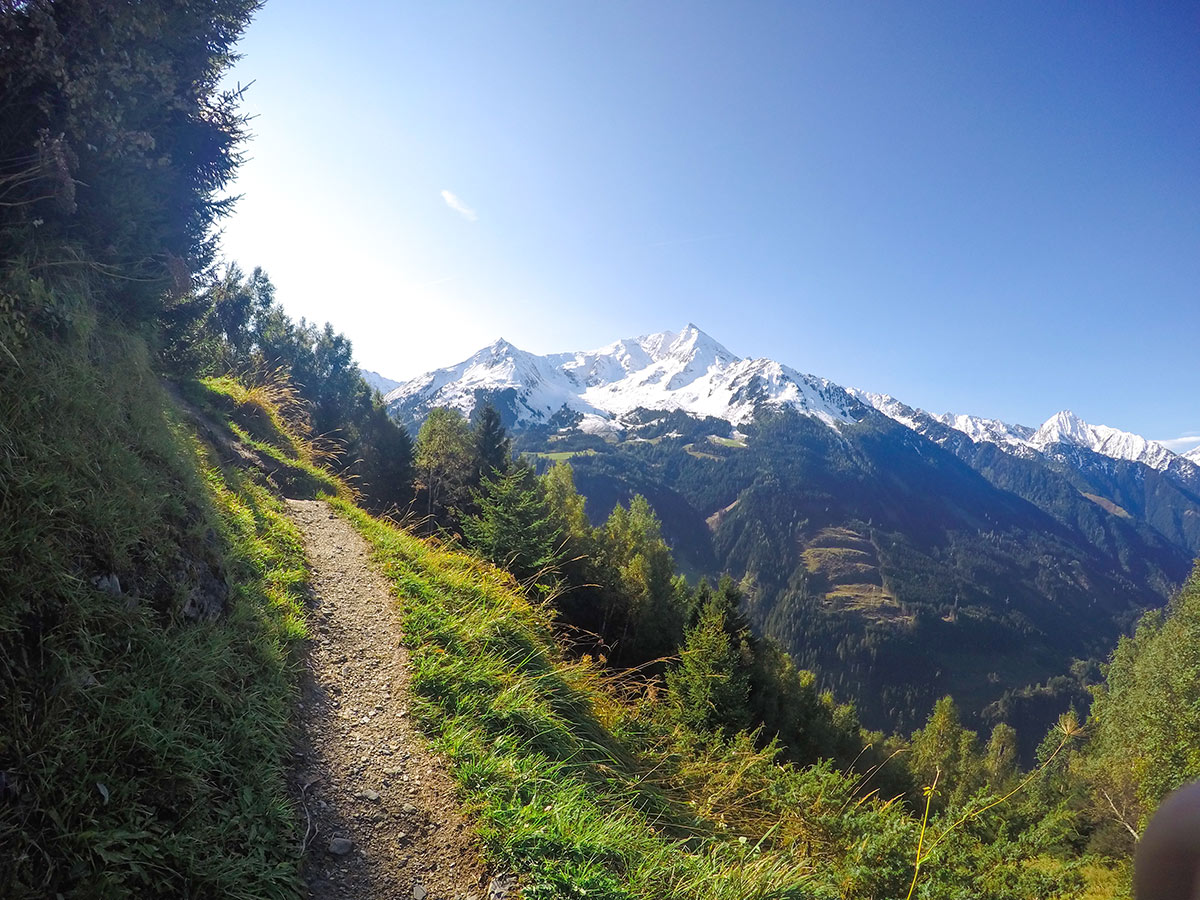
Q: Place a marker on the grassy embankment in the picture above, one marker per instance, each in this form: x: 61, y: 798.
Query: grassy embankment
x: 535, y: 744
x: 150, y: 609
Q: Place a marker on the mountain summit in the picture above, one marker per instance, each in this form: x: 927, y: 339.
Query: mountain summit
x: 865, y: 538
x: 1063, y: 428
x: 1067, y: 428
x: 596, y: 389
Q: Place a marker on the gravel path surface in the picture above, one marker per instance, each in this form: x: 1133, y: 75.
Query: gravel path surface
x: 379, y: 811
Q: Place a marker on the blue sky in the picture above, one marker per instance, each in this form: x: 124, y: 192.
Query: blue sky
x: 984, y: 208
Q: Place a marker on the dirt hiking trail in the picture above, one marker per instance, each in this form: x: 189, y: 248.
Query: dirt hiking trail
x: 379, y: 813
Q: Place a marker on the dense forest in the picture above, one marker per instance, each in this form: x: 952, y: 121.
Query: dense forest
x: 891, y: 567
x: 155, y: 404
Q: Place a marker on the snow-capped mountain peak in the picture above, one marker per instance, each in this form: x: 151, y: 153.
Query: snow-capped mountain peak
x: 378, y: 382
x: 690, y: 371
x: 692, y: 344
x: 1067, y: 428
x: 686, y: 370
x: 890, y: 407
x: 1064, y: 427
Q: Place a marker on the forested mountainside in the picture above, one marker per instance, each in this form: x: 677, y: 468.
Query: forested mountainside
x: 893, y: 554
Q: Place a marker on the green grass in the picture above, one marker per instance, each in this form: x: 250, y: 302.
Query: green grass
x: 142, y: 749
x: 256, y: 417
x: 533, y: 741
x: 726, y: 442
x: 562, y: 455
x: 584, y: 786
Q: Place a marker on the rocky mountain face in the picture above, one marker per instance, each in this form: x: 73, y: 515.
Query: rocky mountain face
x: 1136, y: 480
x: 900, y: 554
x: 596, y: 391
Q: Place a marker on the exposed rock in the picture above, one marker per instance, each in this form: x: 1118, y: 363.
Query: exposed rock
x: 109, y: 583
x: 208, y: 599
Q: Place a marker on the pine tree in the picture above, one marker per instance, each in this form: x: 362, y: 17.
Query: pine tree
x: 514, y: 527
x: 116, y: 136
x: 649, y: 616
x: 710, y: 686
x: 444, y: 462
x: 1145, y: 720
x: 493, y: 449
x: 567, y: 506
x: 1000, y: 757
x: 946, y: 752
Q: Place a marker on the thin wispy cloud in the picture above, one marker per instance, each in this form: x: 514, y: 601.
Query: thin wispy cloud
x: 686, y: 240
x: 1181, y: 444
x: 459, y: 207
x: 436, y: 281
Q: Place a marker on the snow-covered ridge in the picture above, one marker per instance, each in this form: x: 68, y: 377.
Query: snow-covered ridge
x: 991, y: 431
x: 688, y: 370
x: 1062, y: 428
x: 685, y: 370
x: 378, y: 382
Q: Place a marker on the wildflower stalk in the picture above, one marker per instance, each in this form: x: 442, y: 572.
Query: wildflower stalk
x: 1069, y: 728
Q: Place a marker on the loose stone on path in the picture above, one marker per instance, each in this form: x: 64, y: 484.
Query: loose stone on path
x: 360, y: 764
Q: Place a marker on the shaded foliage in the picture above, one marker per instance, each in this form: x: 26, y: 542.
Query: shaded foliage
x: 116, y: 139
x: 512, y: 526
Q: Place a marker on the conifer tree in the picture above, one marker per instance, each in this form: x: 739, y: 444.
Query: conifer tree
x: 649, y: 609
x: 567, y: 506
x: 1000, y: 757
x: 444, y: 462
x: 514, y: 527
x: 117, y: 137
x: 710, y: 686
x: 945, y: 751
x: 493, y: 448
x: 1144, y: 725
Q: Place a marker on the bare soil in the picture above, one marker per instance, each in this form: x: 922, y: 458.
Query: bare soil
x: 379, y: 812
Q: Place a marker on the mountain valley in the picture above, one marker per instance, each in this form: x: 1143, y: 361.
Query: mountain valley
x: 898, y: 554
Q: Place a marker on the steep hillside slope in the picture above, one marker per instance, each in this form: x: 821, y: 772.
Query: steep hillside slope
x: 889, y: 565
x: 589, y: 793
x: 1066, y: 462
x: 150, y: 603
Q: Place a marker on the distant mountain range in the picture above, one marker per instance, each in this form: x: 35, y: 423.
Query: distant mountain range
x: 690, y: 371
x: 900, y: 554
x: 599, y: 389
